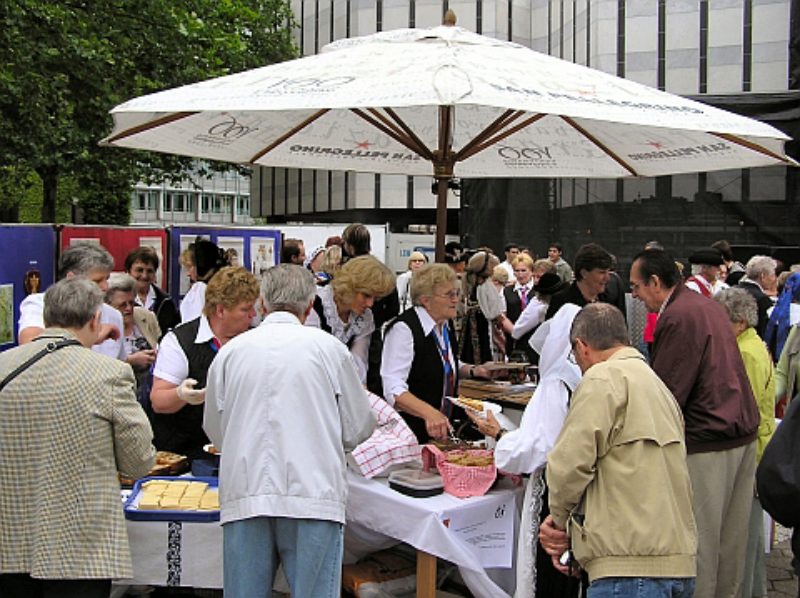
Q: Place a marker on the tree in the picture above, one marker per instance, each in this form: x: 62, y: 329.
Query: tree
x: 64, y: 65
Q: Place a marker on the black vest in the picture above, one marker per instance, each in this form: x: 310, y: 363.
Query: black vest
x: 182, y: 432
x: 426, y: 377
x: 514, y: 310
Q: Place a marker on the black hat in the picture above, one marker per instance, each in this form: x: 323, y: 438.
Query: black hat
x: 454, y: 253
x: 707, y: 255
x: 549, y: 284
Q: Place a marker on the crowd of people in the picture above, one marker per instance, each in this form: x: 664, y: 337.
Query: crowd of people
x: 639, y: 457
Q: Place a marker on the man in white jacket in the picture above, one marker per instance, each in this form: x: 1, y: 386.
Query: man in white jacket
x: 284, y: 404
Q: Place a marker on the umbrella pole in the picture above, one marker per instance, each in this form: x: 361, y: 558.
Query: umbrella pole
x: 443, y: 162
x: 441, y: 215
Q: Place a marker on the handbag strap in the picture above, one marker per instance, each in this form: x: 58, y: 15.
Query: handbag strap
x: 50, y: 347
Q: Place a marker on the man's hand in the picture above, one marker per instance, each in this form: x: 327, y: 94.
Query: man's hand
x: 553, y: 539
x: 107, y: 331
x: 187, y: 392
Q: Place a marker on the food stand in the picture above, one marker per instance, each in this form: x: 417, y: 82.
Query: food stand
x: 477, y: 534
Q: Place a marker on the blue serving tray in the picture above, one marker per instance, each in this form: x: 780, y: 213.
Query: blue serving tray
x: 134, y: 514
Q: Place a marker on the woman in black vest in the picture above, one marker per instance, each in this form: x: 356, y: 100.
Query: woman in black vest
x: 419, y: 367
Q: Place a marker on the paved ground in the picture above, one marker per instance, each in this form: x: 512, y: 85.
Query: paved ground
x: 781, y: 580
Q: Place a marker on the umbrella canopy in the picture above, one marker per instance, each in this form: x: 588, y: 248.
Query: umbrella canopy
x: 443, y: 102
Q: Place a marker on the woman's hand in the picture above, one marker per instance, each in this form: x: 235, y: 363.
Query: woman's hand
x: 436, y: 424
x: 142, y: 359
x: 488, y: 425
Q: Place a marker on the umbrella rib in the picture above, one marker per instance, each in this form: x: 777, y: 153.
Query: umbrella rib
x: 424, y: 150
x: 750, y: 145
x: 599, y: 144
x: 501, y: 136
x: 164, y: 120
x: 291, y: 133
x: 388, y: 130
x: 501, y: 121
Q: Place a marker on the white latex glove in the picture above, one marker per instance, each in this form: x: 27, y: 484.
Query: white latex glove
x: 187, y: 392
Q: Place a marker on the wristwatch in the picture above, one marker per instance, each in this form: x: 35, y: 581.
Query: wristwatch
x: 500, y: 434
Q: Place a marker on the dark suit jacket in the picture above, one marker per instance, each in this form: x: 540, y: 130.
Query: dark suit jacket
x: 763, y: 302
x: 513, y: 311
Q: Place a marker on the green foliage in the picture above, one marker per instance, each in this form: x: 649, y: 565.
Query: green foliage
x: 64, y: 65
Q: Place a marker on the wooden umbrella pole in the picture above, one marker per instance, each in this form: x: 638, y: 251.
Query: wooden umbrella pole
x: 443, y: 162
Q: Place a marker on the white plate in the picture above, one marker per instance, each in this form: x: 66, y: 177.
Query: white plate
x: 487, y: 406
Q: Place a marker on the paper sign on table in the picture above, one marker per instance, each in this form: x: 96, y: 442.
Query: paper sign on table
x: 485, y: 529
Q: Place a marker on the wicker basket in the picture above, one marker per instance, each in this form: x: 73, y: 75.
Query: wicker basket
x: 461, y: 480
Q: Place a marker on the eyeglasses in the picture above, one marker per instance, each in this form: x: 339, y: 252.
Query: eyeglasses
x: 454, y: 294
x: 571, y: 357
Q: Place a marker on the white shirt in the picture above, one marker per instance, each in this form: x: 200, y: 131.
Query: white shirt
x: 525, y: 450
x: 149, y: 300
x: 193, y: 302
x: 171, y: 362
x: 31, y: 315
x: 284, y: 404
x: 357, y: 328
x: 398, y: 354
x: 693, y: 284
x: 530, y: 318
x: 404, y: 290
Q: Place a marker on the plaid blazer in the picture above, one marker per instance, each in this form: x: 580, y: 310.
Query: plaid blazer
x: 67, y: 425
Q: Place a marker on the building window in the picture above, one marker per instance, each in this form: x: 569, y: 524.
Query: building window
x: 168, y: 202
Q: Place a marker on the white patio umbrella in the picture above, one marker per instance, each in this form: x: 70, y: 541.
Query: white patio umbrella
x: 444, y: 102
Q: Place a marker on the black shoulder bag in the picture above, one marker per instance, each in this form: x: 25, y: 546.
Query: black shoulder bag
x: 778, y: 473
x: 51, y: 347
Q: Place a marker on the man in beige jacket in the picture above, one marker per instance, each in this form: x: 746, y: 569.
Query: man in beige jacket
x: 618, y: 479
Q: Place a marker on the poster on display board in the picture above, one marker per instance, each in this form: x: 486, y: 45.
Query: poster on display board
x: 253, y: 248
x: 120, y: 241
x: 29, y: 268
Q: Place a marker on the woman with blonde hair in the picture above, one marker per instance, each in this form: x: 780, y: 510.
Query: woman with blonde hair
x: 344, y: 307
x: 416, y: 260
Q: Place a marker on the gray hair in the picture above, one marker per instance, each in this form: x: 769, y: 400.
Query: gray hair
x: 740, y: 305
x: 758, y: 265
x: 119, y: 282
x: 425, y: 280
x: 288, y: 287
x: 601, y: 326
x: 82, y: 258
x: 71, y: 303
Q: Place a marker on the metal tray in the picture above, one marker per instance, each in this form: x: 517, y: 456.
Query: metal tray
x: 134, y: 514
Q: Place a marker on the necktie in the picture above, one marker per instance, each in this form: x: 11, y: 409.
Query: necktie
x: 449, y: 372
x: 523, y: 297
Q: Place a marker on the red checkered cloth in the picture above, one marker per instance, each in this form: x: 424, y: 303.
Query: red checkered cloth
x: 391, y: 443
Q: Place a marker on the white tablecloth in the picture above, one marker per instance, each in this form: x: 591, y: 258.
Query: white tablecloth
x: 378, y: 517
x: 190, y: 554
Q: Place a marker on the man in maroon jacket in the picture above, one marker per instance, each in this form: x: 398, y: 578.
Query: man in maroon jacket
x: 695, y: 354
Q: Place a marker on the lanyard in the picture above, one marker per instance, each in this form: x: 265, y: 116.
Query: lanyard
x: 449, y: 372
